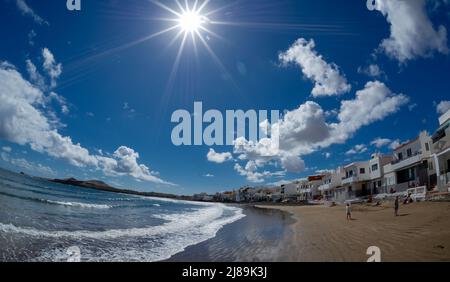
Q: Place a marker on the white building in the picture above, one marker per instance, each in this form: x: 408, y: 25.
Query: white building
x: 410, y: 166
x: 354, y: 182
x: 376, y: 172
x: 441, y: 154
x: 309, y: 188
x: 291, y: 191
x: 330, y: 182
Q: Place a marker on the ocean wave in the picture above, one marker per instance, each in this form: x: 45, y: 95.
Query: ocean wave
x: 67, y: 204
x: 175, y: 223
x: 180, y: 232
x: 77, y: 204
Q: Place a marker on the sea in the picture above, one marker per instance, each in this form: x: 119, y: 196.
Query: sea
x: 45, y: 221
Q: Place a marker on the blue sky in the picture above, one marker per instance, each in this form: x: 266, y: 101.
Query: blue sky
x: 98, y: 102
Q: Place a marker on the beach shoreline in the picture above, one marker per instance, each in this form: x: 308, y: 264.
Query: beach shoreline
x: 421, y: 232
x: 263, y: 235
x: 293, y: 233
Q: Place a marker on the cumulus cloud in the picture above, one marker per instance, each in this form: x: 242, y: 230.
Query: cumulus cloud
x: 250, y: 171
x: 380, y: 142
x: 372, y: 70
x: 327, y: 78
x: 219, y: 158
x: 124, y: 161
x: 27, y: 10
x: 443, y: 107
x: 23, y: 121
x: 385, y: 142
x: 357, y: 149
x: 412, y: 32
x: 305, y: 130
x: 7, y: 149
x: 373, y: 103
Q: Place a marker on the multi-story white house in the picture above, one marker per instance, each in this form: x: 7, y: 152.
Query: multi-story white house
x: 355, y: 181
x: 291, y: 191
x: 376, y: 172
x: 309, y: 188
x: 330, y: 181
x: 410, y: 166
x: 441, y: 154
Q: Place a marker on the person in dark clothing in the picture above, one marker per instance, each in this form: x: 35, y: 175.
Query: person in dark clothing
x: 396, y: 206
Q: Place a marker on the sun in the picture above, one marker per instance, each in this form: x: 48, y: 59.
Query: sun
x: 191, y: 21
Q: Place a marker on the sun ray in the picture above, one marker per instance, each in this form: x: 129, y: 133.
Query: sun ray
x: 203, y: 6
x: 216, y: 59
x: 208, y: 31
x: 161, y: 5
x: 122, y: 47
x: 180, y: 32
x: 182, y: 9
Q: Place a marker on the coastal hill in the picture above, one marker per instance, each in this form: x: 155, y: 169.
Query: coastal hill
x: 102, y: 186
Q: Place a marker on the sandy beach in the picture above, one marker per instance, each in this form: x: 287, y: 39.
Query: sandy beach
x: 421, y: 232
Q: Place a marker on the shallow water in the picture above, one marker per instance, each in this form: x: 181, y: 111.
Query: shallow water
x: 44, y: 221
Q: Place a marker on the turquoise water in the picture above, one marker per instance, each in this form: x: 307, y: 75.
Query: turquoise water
x: 44, y: 221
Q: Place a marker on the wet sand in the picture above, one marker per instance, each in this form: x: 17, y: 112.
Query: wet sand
x: 260, y: 236
x: 420, y: 233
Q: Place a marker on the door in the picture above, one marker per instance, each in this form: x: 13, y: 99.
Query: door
x: 364, y: 189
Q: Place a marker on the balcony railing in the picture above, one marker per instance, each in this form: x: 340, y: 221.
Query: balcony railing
x: 407, y: 158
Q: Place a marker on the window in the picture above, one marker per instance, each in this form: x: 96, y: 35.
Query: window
x: 362, y: 170
x: 400, y: 156
x: 427, y: 146
x: 409, y: 152
x: 379, y: 183
x: 375, y: 167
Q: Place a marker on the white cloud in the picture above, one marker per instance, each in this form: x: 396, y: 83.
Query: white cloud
x: 411, y: 107
x: 27, y: 10
x: 306, y: 130
x: 251, y: 173
x: 31, y: 35
x: 209, y: 175
x: 52, y: 68
x: 61, y: 101
x: 23, y: 121
x: 35, y: 168
x: 443, y: 107
x: 357, y: 149
x: 32, y: 167
x: 327, y: 77
x: 412, y: 33
x: 327, y: 155
x: 219, y: 158
x: 372, y: 70
x: 35, y: 77
x: 385, y: 142
x: 7, y: 149
x: 373, y: 103
x: 395, y: 144
x: 124, y: 162
x: 381, y: 142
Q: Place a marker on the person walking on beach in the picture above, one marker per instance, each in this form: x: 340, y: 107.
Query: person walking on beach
x: 396, y: 206
x: 348, y: 210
